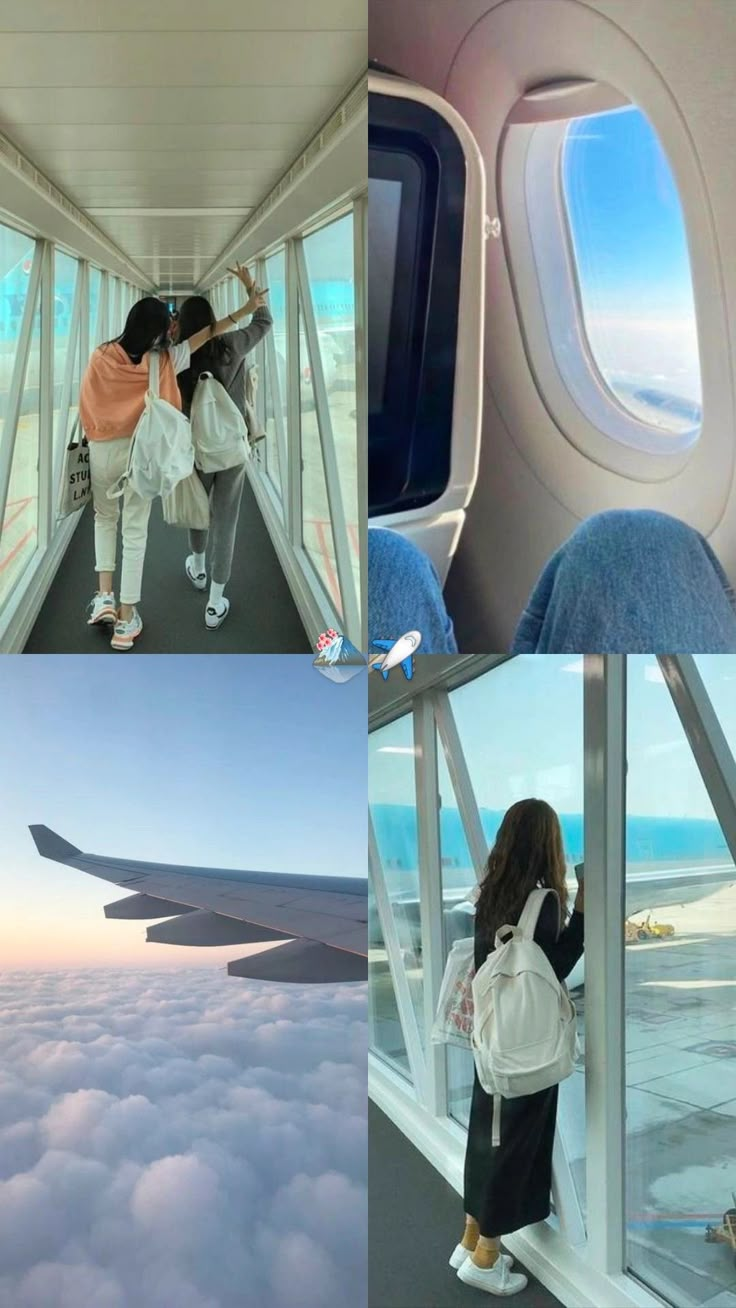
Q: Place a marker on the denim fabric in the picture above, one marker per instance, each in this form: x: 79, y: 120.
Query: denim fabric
x: 630, y: 581
x: 404, y: 594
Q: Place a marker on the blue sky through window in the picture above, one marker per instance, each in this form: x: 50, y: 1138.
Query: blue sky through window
x: 633, y: 266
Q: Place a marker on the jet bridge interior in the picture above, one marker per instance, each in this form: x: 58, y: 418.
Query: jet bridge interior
x: 636, y: 756
x: 144, y: 150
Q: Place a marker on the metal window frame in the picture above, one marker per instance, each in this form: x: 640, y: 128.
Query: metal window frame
x: 283, y: 514
x: 18, y: 377
x: 65, y: 398
x: 293, y: 502
x: 360, y: 281
x: 46, y: 402
x: 336, y: 507
x: 604, y: 817
x: 706, y: 738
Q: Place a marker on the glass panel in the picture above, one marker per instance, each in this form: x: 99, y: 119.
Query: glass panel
x: 633, y: 267
x: 680, y: 1002
x: 65, y: 279
x: 16, y: 258
x: 521, y: 732
x: 385, y: 1034
x: 458, y: 882
x: 392, y: 799
x: 116, y: 319
x: 276, y: 283
x: 330, y: 270
x: 317, y: 535
x: 19, y: 540
x: 94, y: 278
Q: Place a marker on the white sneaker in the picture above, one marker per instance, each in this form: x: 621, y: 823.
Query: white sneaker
x: 126, y: 633
x: 494, y: 1280
x: 215, y: 614
x: 460, y: 1253
x: 102, y: 608
x: 198, y: 579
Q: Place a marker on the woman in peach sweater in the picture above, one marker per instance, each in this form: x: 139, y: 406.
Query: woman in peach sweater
x: 111, y: 401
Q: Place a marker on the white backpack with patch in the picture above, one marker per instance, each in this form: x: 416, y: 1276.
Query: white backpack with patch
x: 524, y: 1023
x: 161, y: 452
x: 218, y: 427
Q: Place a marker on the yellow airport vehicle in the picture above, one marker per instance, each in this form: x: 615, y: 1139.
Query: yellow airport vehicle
x: 647, y: 930
x: 726, y: 1233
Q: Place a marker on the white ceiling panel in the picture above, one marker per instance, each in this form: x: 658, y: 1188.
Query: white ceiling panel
x: 177, y: 59
x: 182, y: 115
x: 182, y: 15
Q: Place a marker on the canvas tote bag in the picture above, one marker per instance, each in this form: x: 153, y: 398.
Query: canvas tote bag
x: 76, y: 486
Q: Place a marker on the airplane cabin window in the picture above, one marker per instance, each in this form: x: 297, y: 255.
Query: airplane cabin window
x: 633, y: 270
x: 416, y: 201
x: 609, y: 245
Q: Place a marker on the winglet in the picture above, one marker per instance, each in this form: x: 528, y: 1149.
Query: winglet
x: 49, y: 845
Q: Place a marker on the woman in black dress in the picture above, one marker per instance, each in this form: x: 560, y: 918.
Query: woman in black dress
x: 508, y: 1186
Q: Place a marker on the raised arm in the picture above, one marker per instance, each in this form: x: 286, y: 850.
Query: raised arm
x: 256, y: 300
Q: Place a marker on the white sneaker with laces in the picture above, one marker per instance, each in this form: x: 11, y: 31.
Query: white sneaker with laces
x: 494, y: 1280
x: 215, y: 614
x: 460, y: 1253
x: 102, y: 608
x: 198, y: 579
x: 126, y: 632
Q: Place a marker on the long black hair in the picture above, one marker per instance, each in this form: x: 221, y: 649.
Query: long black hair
x: 194, y: 314
x: 527, y: 852
x: 145, y: 328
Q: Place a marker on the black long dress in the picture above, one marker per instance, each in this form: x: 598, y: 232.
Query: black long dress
x: 509, y: 1187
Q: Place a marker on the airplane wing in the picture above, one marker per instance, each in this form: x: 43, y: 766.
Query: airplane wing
x: 318, y: 925
x: 407, y: 667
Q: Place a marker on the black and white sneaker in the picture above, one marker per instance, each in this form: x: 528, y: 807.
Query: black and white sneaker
x: 198, y: 579
x: 215, y: 614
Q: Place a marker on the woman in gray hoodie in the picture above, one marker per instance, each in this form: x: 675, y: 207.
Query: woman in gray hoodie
x: 225, y: 358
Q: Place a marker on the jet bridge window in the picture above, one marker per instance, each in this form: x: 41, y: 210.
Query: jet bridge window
x: 605, y: 222
x: 416, y: 201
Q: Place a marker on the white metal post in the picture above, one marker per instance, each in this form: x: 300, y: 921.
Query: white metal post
x: 705, y: 736
x: 45, y: 400
x: 66, y: 386
x: 605, y: 853
x: 17, y: 380
x: 293, y: 505
x: 360, y: 264
x: 461, y: 783
x: 430, y: 893
x: 402, y: 993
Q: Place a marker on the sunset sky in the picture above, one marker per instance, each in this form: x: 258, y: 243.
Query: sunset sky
x: 227, y: 762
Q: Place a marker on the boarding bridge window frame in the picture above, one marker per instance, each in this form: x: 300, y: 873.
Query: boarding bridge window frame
x: 544, y: 280
x: 283, y: 506
x: 583, y: 1258
x: 41, y: 543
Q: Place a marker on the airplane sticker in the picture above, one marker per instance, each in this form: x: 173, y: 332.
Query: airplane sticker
x: 399, y: 653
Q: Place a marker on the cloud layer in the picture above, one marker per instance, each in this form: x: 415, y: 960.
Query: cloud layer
x: 181, y: 1139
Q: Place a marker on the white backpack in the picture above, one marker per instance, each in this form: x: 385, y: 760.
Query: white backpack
x: 218, y: 427
x: 524, y: 1024
x: 161, y: 452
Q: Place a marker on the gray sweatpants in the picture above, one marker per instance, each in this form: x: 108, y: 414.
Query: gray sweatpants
x: 225, y: 490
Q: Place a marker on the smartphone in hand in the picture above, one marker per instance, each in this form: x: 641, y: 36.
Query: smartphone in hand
x: 580, y: 872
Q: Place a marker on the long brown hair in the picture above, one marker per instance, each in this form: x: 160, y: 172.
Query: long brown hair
x: 528, y: 852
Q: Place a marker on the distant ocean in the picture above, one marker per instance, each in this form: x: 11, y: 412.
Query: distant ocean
x: 648, y: 839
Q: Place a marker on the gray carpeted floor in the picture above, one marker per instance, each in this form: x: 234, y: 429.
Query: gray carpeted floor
x: 263, y: 618
x: 414, y: 1221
